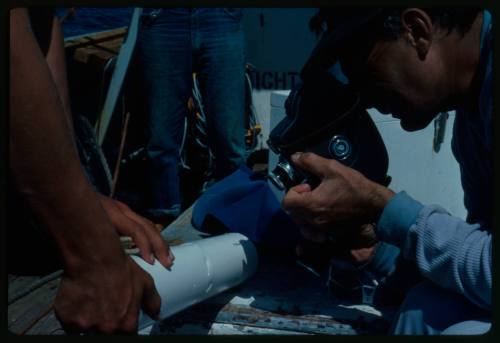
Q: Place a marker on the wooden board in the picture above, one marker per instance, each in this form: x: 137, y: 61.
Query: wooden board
x: 33, y: 311
x: 96, y: 48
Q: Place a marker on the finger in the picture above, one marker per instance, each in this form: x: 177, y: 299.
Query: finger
x: 142, y: 241
x: 135, y: 230
x: 151, y: 300
x: 131, y: 321
x: 136, y: 217
x: 301, y: 188
x: 127, y: 211
x: 312, y: 163
x: 126, y: 225
x: 158, y: 246
x: 296, y: 202
x: 79, y: 326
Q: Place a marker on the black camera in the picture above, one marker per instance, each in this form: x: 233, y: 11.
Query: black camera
x: 327, y: 118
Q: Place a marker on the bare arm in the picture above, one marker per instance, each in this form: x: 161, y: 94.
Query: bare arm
x: 102, y: 288
x: 43, y: 159
x: 56, y: 60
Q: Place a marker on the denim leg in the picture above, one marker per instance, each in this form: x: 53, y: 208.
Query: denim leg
x: 220, y: 52
x: 431, y: 310
x: 164, y: 55
x: 469, y: 327
x: 396, y: 275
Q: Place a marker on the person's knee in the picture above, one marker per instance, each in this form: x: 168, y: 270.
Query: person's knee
x: 410, y: 319
x: 429, y: 309
x: 469, y: 327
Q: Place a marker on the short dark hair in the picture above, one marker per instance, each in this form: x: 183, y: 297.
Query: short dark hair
x: 390, y: 19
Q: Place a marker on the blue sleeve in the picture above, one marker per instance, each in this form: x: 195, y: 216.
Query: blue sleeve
x: 447, y: 250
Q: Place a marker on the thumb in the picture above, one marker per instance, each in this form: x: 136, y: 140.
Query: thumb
x: 151, y: 300
x: 301, y: 188
x: 311, y: 163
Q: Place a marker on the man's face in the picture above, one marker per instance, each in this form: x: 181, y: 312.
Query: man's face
x: 395, y: 80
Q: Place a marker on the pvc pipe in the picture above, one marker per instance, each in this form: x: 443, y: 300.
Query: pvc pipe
x: 202, y: 268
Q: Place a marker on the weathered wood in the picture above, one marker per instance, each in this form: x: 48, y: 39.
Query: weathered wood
x: 95, y: 38
x: 48, y: 325
x: 221, y: 329
x: 18, y: 283
x: 97, y: 48
x: 32, y: 283
x: 98, y: 54
x: 248, y: 316
x: 28, y: 309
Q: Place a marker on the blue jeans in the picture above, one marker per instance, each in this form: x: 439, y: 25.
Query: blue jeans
x: 431, y: 310
x: 174, y: 43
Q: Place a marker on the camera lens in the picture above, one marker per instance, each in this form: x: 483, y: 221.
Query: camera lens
x: 283, y: 176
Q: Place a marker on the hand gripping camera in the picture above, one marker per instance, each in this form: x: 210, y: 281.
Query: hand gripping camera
x: 326, y: 117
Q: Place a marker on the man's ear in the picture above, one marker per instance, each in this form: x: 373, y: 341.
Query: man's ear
x: 418, y: 30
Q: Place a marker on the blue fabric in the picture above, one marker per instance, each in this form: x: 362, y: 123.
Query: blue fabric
x: 398, y: 215
x: 384, y: 259
x: 472, y: 138
x: 172, y: 43
x: 431, y: 310
x: 244, y: 203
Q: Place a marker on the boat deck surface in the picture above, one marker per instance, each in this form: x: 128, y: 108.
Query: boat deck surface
x: 281, y: 298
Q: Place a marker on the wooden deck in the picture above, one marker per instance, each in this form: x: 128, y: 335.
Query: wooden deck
x: 281, y: 298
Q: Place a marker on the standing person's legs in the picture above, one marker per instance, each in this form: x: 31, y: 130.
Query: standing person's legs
x: 431, y: 310
x: 164, y: 55
x: 221, y: 56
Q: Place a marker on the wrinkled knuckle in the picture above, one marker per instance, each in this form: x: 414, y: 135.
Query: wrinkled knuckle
x: 158, y: 241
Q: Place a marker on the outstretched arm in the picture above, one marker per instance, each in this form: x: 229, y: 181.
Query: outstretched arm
x: 102, y: 288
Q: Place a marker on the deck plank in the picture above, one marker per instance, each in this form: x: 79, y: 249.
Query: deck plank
x: 19, y: 282
x: 48, y: 325
x: 223, y: 329
x: 23, y: 312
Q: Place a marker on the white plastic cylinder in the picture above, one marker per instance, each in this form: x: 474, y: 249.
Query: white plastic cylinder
x: 202, y: 268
